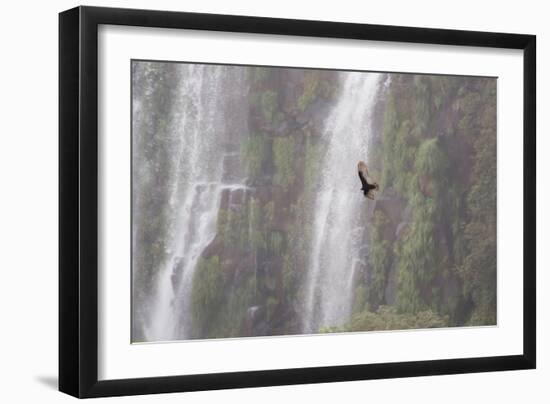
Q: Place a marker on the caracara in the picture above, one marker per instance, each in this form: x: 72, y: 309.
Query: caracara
x: 368, y: 189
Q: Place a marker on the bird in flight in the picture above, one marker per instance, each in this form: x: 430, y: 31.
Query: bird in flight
x: 368, y: 189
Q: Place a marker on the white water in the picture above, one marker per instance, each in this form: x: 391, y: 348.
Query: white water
x: 337, y: 225
x: 206, y: 121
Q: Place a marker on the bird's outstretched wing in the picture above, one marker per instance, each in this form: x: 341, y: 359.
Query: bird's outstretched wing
x: 367, y: 188
x: 364, y: 184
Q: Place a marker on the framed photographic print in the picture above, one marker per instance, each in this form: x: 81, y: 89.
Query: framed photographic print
x: 250, y: 201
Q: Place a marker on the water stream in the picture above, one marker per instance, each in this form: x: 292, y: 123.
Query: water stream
x: 337, y: 225
x: 206, y: 122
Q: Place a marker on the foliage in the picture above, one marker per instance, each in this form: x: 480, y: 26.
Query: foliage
x: 283, y: 157
x: 268, y: 102
x: 388, y: 318
x: 359, y: 299
x: 260, y: 74
x: 379, y: 259
x: 233, y: 228
x: 255, y: 152
x: 232, y: 311
x: 271, y: 306
x: 311, y: 85
x: 422, y: 104
x: 431, y: 159
x: 478, y: 269
x: 207, y: 292
x: 276, y: 242
x: 312, y: 164
x: 256, y: 236
x: 290, y: 277
x: 450, y: 237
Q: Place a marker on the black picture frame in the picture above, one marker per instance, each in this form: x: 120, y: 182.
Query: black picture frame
x: 78, y: 200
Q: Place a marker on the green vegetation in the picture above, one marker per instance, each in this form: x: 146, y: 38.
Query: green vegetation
x: 276, y: 242
x: 208, y: 291
x: 256, y: 236
x: 380, y: 259
x: 478, y: 268
x: 439, y: 156
x: 290, y: 277
x: 255, y: 152
x: 283, y: 157
x: 314, y: 87
x: 259, y: 74
x: 312, y: 164
x: 310, y: 90
x: 268, y: 103
x: 388, y: 318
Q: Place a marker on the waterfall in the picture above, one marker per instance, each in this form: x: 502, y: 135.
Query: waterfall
x: 205, y: 121
x: 337, y: 232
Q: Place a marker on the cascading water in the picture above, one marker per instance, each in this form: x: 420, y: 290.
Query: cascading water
x: 205, y: 122
x: 337, y: 225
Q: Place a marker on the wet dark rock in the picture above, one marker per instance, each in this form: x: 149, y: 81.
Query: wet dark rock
x: 263, y: 193
x: 391, y: 207
x: 425, y: 185
x: 359, y: 272
x: 451, y: 289
x: 216, y: 247
x: 364, y: 251
x: 232, y: 167
x: 255, y: 322
x: 234, y: 199
x: 177, y: 273
x: 283, y: 127
x: 267, y: 270
x: 237, y: 198
x: 407, y: 214
x: 315, y: 109
x: 401, y: 229
x: 281, y: 322
x: 224, y: 203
